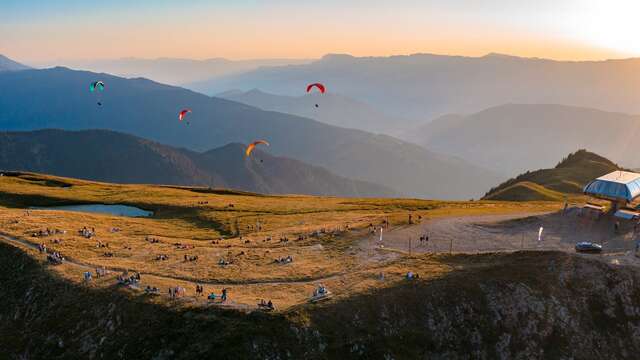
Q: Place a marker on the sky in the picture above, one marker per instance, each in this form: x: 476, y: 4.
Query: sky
x: 35, y: 31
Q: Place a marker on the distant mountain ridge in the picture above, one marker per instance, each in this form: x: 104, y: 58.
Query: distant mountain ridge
x: 514, y: 138
x: 568, y: 177
x: 420, y: 87
x: 332, y: 109
x: 172, y: 70
x: 59, y: 98
x: 114, y: 157
x: 7, y: 64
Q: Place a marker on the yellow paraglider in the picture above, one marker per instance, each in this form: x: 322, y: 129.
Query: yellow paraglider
x: 253, y: 145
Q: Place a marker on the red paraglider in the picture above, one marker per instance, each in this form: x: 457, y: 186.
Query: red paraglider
x: 316, y: 85
x: 183, y: 113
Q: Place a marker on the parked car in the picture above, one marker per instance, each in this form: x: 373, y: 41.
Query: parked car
x: 588, y: 247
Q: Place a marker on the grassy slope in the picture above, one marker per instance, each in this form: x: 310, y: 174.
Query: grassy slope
x: 568, y: 177
x: 179, y: 218
x: 523, y: 305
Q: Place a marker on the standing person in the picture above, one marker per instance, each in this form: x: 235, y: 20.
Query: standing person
x: 410, y: 219
x: 224, y: 295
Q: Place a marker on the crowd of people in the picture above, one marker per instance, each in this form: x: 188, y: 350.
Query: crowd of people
x: 87, y: 233
x: 131, y: 280
x: 199, y: 290
x: 178, y: 291
x: 320, y: 292
x: 266, y: 305
x: 151, y: 240
x: 100, y: 245
x: 55, y: 258
x: 101, y: 271
x: 223, y: 296
x: 223, y: 262
x: 181, y: 246
x: 47, y: 232
x: 412, y: 276
x: 424, y: 239
x: 151, y: 290
x: 284, y: 260
x: 189, y: 258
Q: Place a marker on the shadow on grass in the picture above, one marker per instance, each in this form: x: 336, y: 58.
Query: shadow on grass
x: 47, y: 317
x: 188, y: 214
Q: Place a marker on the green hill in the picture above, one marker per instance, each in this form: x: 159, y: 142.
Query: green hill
x: 111, y: 156
x: 568, y: 177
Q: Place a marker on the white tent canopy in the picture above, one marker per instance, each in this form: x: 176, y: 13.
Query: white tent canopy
x: 617, y: 186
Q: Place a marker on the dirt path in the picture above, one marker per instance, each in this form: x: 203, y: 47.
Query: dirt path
x: 152, y: 278
x: 497, y: 233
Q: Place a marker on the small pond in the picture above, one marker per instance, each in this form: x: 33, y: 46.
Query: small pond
x: 117, y: 210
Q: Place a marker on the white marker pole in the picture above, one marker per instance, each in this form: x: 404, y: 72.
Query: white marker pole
x: 540, y: 234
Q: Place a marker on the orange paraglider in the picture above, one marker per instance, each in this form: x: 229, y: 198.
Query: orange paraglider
x: 253, y: 145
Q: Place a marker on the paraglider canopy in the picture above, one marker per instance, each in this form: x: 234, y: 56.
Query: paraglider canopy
x: 183, y: 113
x: 316, y: 85
x: 96, y: 85
x: 253, y: 145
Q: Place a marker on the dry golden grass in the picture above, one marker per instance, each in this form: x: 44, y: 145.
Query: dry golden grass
x: 180, y: 217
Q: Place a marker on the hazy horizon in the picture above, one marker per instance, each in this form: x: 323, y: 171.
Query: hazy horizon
x: 62, y: 61
x: 285, y: 29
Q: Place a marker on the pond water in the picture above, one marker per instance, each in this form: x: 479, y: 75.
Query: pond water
x: 118, y: 210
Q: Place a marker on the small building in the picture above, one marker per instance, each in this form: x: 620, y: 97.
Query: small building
x: 627, y: 214
x: 619, y: 187
x: 592, y: 211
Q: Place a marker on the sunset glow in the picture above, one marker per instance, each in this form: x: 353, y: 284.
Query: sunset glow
x: 40, y: 31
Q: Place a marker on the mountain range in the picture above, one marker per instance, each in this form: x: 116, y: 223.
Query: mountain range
x: 115, y: 157
x: 7, y: 64
x: 171, y: 70
x: 421, y: 87
x: 514, y: 138
x: 332, y: 109
x: 60, y: 98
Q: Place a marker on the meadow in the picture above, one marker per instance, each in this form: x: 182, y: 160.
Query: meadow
x: 325, y: 237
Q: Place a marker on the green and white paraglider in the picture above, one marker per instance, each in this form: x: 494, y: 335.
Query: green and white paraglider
x: 97, y: 86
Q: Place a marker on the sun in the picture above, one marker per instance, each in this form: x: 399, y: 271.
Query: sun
x: 612, y: 25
